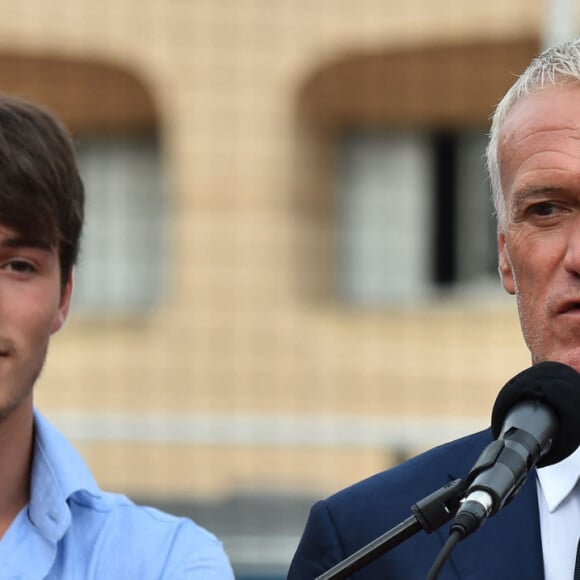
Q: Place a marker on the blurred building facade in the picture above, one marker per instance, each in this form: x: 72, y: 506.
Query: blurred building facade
x: 288, y: 279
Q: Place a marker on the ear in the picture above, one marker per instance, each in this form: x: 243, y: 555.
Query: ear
x: 63, y: 306
x: 505, y: 266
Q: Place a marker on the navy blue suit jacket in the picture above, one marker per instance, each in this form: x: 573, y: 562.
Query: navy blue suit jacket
x: 506, y: 547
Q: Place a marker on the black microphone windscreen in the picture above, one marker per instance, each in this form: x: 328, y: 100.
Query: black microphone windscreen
x: 557, y: 386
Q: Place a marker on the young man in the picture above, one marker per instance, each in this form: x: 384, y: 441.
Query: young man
x: 55, y: 522
x: 534, y: 166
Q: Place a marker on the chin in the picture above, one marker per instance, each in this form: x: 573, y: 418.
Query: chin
x: 570, y: 358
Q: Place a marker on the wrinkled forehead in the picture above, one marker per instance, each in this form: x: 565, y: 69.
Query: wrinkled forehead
x: 546, y: 109
x: 540, y: 140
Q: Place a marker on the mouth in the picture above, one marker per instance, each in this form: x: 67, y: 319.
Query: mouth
x: 570, y: 307
x: 7, y: 347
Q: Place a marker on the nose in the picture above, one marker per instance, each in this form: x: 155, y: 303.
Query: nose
x: 572, y: 256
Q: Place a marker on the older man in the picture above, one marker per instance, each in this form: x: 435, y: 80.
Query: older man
x: 534, y: 166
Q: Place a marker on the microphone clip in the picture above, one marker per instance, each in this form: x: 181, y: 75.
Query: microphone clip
x: 439, y: 507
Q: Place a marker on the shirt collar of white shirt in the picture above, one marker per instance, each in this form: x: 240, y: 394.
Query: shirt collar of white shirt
x: 558, y: 480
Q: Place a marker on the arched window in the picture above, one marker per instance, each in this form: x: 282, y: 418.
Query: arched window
x: 114, y: 123
x: 407, y: 129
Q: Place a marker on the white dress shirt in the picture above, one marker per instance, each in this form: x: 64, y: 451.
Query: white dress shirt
x: 559, y: 505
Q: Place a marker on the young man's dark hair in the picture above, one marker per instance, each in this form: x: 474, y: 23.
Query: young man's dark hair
x: 41, y: 192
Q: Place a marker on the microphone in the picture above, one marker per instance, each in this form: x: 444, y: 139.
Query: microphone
x: 534, y: 422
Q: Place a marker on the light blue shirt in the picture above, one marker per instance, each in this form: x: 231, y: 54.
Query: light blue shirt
x: 73, y: 530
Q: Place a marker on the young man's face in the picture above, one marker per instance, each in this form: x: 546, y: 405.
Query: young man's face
x: 539, y: 247
x: 33, y: 305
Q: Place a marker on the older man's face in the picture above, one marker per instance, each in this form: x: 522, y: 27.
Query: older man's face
x: 539, y: 247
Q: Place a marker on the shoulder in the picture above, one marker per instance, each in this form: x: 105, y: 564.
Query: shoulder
x: 144, y: 541
x: 353, y: 517
x: 414, y: 479
x: 105, y: 535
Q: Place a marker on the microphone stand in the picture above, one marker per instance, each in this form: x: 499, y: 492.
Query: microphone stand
x: 428, y: 514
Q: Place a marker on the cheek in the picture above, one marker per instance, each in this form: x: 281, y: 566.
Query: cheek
x: 536, y: 277
x: 35, y: 322
x: 527, y: 280
x: 535, y: 258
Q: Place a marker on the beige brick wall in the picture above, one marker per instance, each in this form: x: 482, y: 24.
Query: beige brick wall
x: 237, y: 332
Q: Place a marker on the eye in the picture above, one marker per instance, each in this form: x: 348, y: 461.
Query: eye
x: 545, y: 208
x: 19, y: 266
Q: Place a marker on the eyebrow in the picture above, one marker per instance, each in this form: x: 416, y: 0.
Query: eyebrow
x: 26, y: 242
x: 535, y: 191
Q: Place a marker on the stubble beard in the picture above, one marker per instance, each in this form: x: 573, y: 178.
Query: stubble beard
x: 540, y: 338
x: 23, y: 389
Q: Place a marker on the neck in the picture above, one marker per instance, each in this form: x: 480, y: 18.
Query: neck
x: 16, y: 440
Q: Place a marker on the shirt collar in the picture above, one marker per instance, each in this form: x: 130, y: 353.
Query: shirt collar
x: 558, y: 480
x: 58, y: 472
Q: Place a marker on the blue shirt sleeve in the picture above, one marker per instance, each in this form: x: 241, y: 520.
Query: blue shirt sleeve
x: 192, y: 559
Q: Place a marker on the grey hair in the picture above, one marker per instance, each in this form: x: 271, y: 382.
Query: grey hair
x: 558, y: 65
